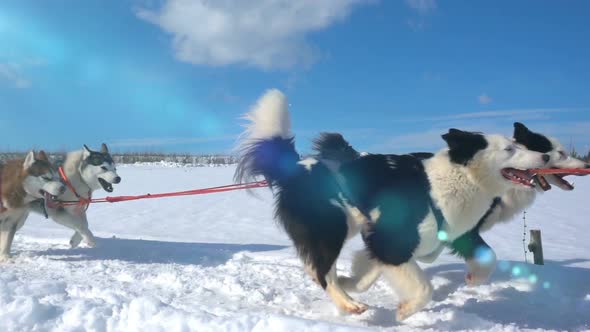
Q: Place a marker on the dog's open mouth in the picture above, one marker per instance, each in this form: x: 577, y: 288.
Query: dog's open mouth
x: 105, y: 185
x: 48, y: 197
x: 561, y: 182
x: 518, y: 176
x: 556, y: 176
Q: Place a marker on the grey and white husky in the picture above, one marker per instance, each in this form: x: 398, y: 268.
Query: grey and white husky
x: 85, y: 172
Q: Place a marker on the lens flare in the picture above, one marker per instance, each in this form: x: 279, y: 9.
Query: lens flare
x: 533, y: 279
x: 484, y: 255
x: 516, y: 271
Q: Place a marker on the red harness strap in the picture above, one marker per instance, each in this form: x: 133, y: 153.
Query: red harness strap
x: 83, y: 202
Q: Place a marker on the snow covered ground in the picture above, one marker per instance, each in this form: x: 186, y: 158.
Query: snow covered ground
x: 219, y: 263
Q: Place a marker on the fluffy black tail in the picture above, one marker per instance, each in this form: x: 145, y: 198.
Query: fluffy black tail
x: 267, y: 146
x: 333, y: 146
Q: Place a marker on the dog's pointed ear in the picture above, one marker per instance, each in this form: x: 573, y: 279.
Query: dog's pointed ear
x: 463, y: 145
x: 29, y: 160
x: 454, y: 137
x: 521, y: 133
x: 42, y: 156
x: 104, y: 149
x: 86, y: 152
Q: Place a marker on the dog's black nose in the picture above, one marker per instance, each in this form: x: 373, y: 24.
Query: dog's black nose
x: 117, y: 179
x: 546, y: 158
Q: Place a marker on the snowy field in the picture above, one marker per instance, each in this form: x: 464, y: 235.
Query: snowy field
x: 219, y: 263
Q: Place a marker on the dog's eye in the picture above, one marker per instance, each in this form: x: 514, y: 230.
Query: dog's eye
x: 104, y: 168
x: 509, y: 149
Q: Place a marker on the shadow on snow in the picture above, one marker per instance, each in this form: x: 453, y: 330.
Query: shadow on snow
x: 148, y: 251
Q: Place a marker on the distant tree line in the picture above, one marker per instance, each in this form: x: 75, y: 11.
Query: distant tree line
x: 144, y: 157
x: 182, y: 158
x: 575, y: 154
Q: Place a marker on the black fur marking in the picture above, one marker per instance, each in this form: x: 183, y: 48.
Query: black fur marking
x: 467, y: 244
x: 304, y: 209
x: 463, y: 145
x: 317, y: 228
x: 531, y: 140
x: 275, y: 159
x: 398, y: 186
x: 333, y: 146
x: 422, y: 155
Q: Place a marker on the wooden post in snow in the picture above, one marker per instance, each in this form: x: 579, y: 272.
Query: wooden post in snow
x: 536, y: 246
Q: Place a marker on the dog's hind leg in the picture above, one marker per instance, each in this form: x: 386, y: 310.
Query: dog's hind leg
x: 342, y: 300
x: 322, y: 268
x: 365, y: 271
x: 411, y: 285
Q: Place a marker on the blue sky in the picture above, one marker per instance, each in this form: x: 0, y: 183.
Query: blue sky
x: 175, y: 75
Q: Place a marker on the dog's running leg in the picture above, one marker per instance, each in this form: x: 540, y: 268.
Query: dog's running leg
x: 412, y: 286
x: 365, y: 271
x: 342, y: 300
x: 7, y: 232
x: 479, y: 257
x: 75, y: 240
x: 79, y: 223
x: 85, y: 232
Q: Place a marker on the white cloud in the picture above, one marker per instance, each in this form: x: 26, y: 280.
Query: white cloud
x: 422, y: 6
x: 11, y: 73
x: 266, y: 34
x: 484, y: 99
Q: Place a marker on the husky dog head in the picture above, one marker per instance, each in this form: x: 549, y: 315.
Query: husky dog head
x: 559, y: 158
x: 98, y: 169
x: 40, y: 180
x: 494, y: 161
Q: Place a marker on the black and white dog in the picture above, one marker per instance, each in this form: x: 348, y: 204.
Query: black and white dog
x: 478, y: 255
x: 480, y: 258
x: 402, y: 203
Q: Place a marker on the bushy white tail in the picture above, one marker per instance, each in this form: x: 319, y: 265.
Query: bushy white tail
x: 269, y: 117
x: 266, y: 147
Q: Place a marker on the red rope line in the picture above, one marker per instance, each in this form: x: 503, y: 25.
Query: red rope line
x: 212, y: 190
x: 565, y: 171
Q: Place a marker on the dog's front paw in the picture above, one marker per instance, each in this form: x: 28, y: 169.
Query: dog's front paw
x: 481, y: 267
x: 477, y: 278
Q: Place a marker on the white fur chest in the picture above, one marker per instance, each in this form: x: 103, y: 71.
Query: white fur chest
x: 460, y: 200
